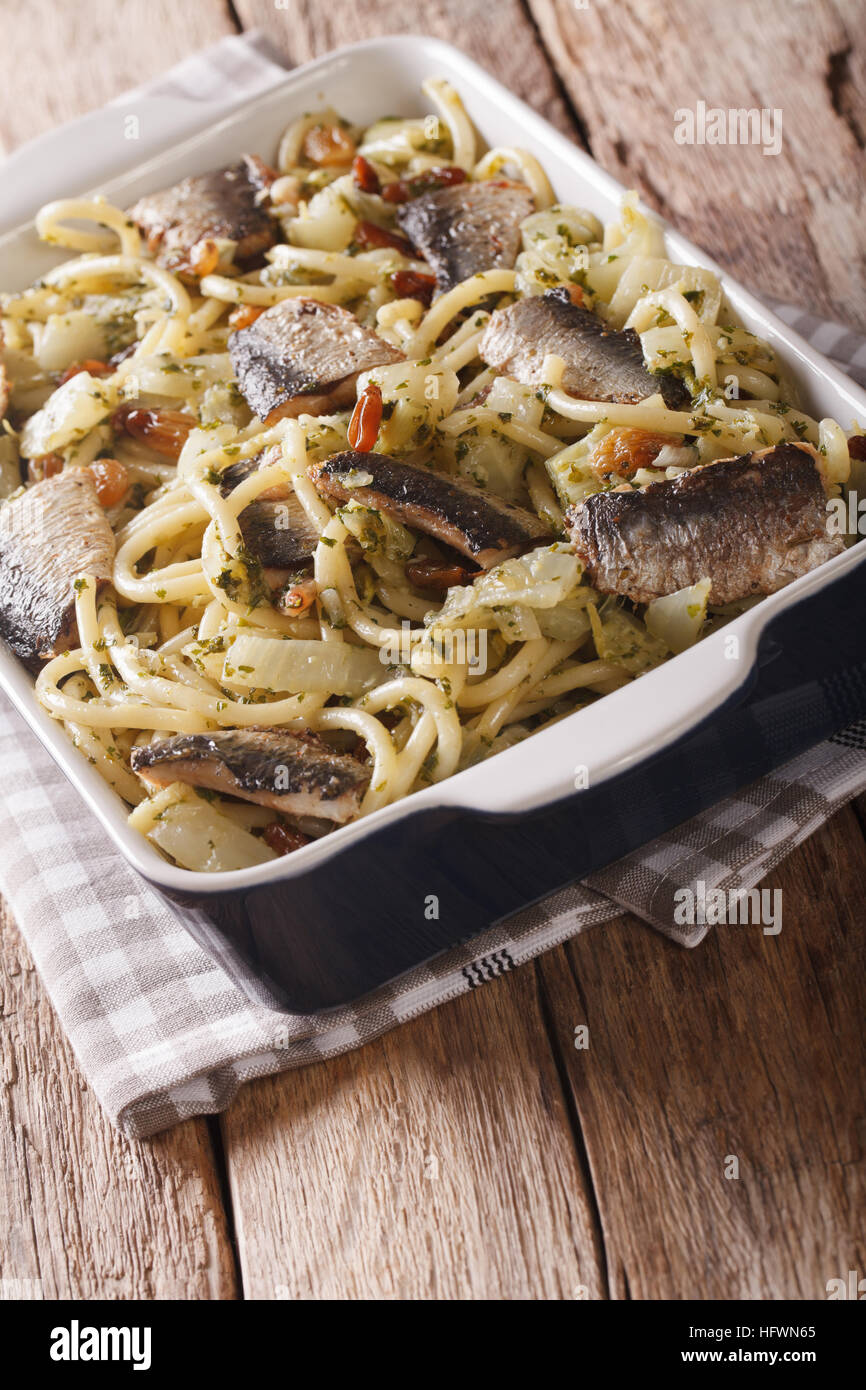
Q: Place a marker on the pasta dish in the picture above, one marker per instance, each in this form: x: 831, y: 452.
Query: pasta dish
x: 327, y: 479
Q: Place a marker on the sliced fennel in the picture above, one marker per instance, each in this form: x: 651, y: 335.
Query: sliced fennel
x: 677, y: 618
x: 621, y: 638
x: 194, y: 833
x: 416, y: 396
x: 540, y: 579
x: 296, y: 665
x: 68, y: 415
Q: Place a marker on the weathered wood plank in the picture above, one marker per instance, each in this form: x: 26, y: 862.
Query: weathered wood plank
x: 83, y: 1212
x: 750, y: 1047
x: 59, y: 60
x: 502, y: 37
x: 435, y: 1163
x: 788, y: 224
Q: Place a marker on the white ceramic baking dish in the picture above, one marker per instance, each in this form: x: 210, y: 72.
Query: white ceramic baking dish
x: 607, y: 738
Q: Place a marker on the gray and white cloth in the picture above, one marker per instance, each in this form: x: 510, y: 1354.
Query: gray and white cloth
x: 159, y: 1029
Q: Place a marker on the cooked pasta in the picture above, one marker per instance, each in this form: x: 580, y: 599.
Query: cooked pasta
x: 121, y: 364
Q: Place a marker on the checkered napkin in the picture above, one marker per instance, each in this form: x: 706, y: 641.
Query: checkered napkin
x: 159, y: 1028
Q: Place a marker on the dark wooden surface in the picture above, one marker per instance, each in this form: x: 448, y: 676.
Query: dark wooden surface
x: 475, y: 1152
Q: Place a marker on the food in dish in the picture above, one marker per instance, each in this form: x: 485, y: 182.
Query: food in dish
x: 599, y: 363
x: 51, y: 532
x: 303, y: 357
x: 466, y: 228
x: 469, y: 519
x: 750, y: 525
x: 185, y: 225
x: 329, y: 479
x: 298, y: 774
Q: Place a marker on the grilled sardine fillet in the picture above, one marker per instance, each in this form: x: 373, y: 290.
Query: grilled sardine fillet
x: 49, y: 534
x: 275, y: 526
x: 279, y: 533
x: 304, y: 356
x: 298, y: 774
x: 467, y: 228
x: 601, y: 363
x: 750, y: 525
x: 237, y: 473
x: 476, y: 523
x: 224, y: 203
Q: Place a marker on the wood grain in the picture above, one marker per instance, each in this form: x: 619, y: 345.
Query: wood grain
x: 436, y: 1163
x: 749, y: 1047
x: 59, y: 59
x: 304, y: 31
x: 788, y: 225
x: 84, y: 1213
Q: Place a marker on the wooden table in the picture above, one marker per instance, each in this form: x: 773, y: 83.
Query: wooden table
x: 475, y: 1153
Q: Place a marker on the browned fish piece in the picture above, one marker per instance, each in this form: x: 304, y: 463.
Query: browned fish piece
x: 749, y: 524
x: 298, y: 774
x: 224, y: 203
x: 467, y: 228
x: 50, y: 534
x: 303, y: 356
x: 476, y: 523
x: 278, y: 533
x: 274, y: 526
x: 601, y: 363
x: 237, y: 473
